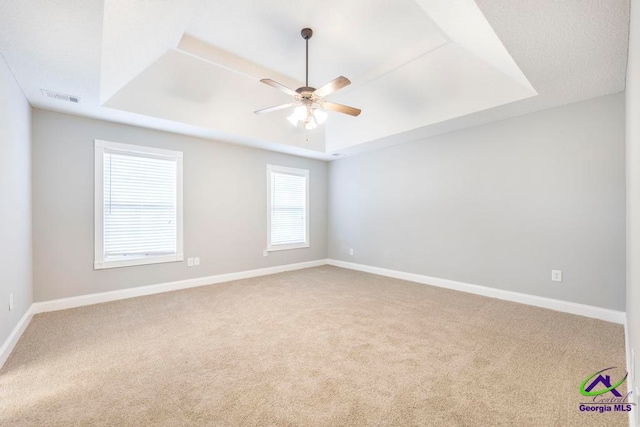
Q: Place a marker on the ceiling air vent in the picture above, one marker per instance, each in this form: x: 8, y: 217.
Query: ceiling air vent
x: 60, y: 96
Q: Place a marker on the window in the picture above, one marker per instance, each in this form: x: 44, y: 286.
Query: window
x: 138, y: 205
x: 287, y: 208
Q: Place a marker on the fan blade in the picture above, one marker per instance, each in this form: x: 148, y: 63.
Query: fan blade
x: 274, y: 108
x: 341, y: 108
x: 332, y: 86
x: 277, y: 85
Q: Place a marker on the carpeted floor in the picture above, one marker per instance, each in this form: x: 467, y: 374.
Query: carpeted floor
x: 322, y: 346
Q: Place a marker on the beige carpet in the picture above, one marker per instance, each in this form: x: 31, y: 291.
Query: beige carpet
x: 322, y: 346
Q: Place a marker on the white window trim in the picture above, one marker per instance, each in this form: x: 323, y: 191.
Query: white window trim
x: 99, y: 262
x: 291, y: 171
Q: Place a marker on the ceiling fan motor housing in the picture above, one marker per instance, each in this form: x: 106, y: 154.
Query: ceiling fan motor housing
x: 306, y: 95
x: 306, y: 92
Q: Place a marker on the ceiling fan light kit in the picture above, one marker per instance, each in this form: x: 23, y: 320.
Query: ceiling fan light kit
x: 311, y: 117
x: 309, y: 101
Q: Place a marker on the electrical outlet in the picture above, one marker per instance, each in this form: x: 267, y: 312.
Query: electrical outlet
x: 350, y: 251
x: 556, y: 275
x: 265, y: 253
x: 189, y: 262
x: 10, y: 302
x: 196, y: 261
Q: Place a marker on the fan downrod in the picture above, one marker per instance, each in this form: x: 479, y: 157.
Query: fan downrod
x: 306, y: 35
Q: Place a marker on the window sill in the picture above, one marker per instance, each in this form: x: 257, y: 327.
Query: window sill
x: 131, y: 261
x: 287, y: 247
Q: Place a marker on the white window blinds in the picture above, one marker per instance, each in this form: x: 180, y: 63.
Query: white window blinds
x: 288, y: 208
x: 140, y: 204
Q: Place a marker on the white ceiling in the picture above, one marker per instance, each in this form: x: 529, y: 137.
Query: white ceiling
x: 418, y: 67
x: 350, y: 37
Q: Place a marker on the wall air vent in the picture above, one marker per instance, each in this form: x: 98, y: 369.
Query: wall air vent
x: 60, y: 96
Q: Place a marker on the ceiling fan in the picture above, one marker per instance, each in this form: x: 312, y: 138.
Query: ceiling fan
x: 309, y: 101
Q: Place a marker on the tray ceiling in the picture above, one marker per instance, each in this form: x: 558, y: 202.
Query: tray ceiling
x: 418, y: 67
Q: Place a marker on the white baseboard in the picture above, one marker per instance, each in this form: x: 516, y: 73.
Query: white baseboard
x: 82, y: 300
x: 550, y: 303
x: 12, y: 340
x: 65, y: 303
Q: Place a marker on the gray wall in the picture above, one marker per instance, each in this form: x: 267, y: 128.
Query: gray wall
x: 499, y: 205
x: 633, y: 188
x: 15, y: 202
x: 225, y: 215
